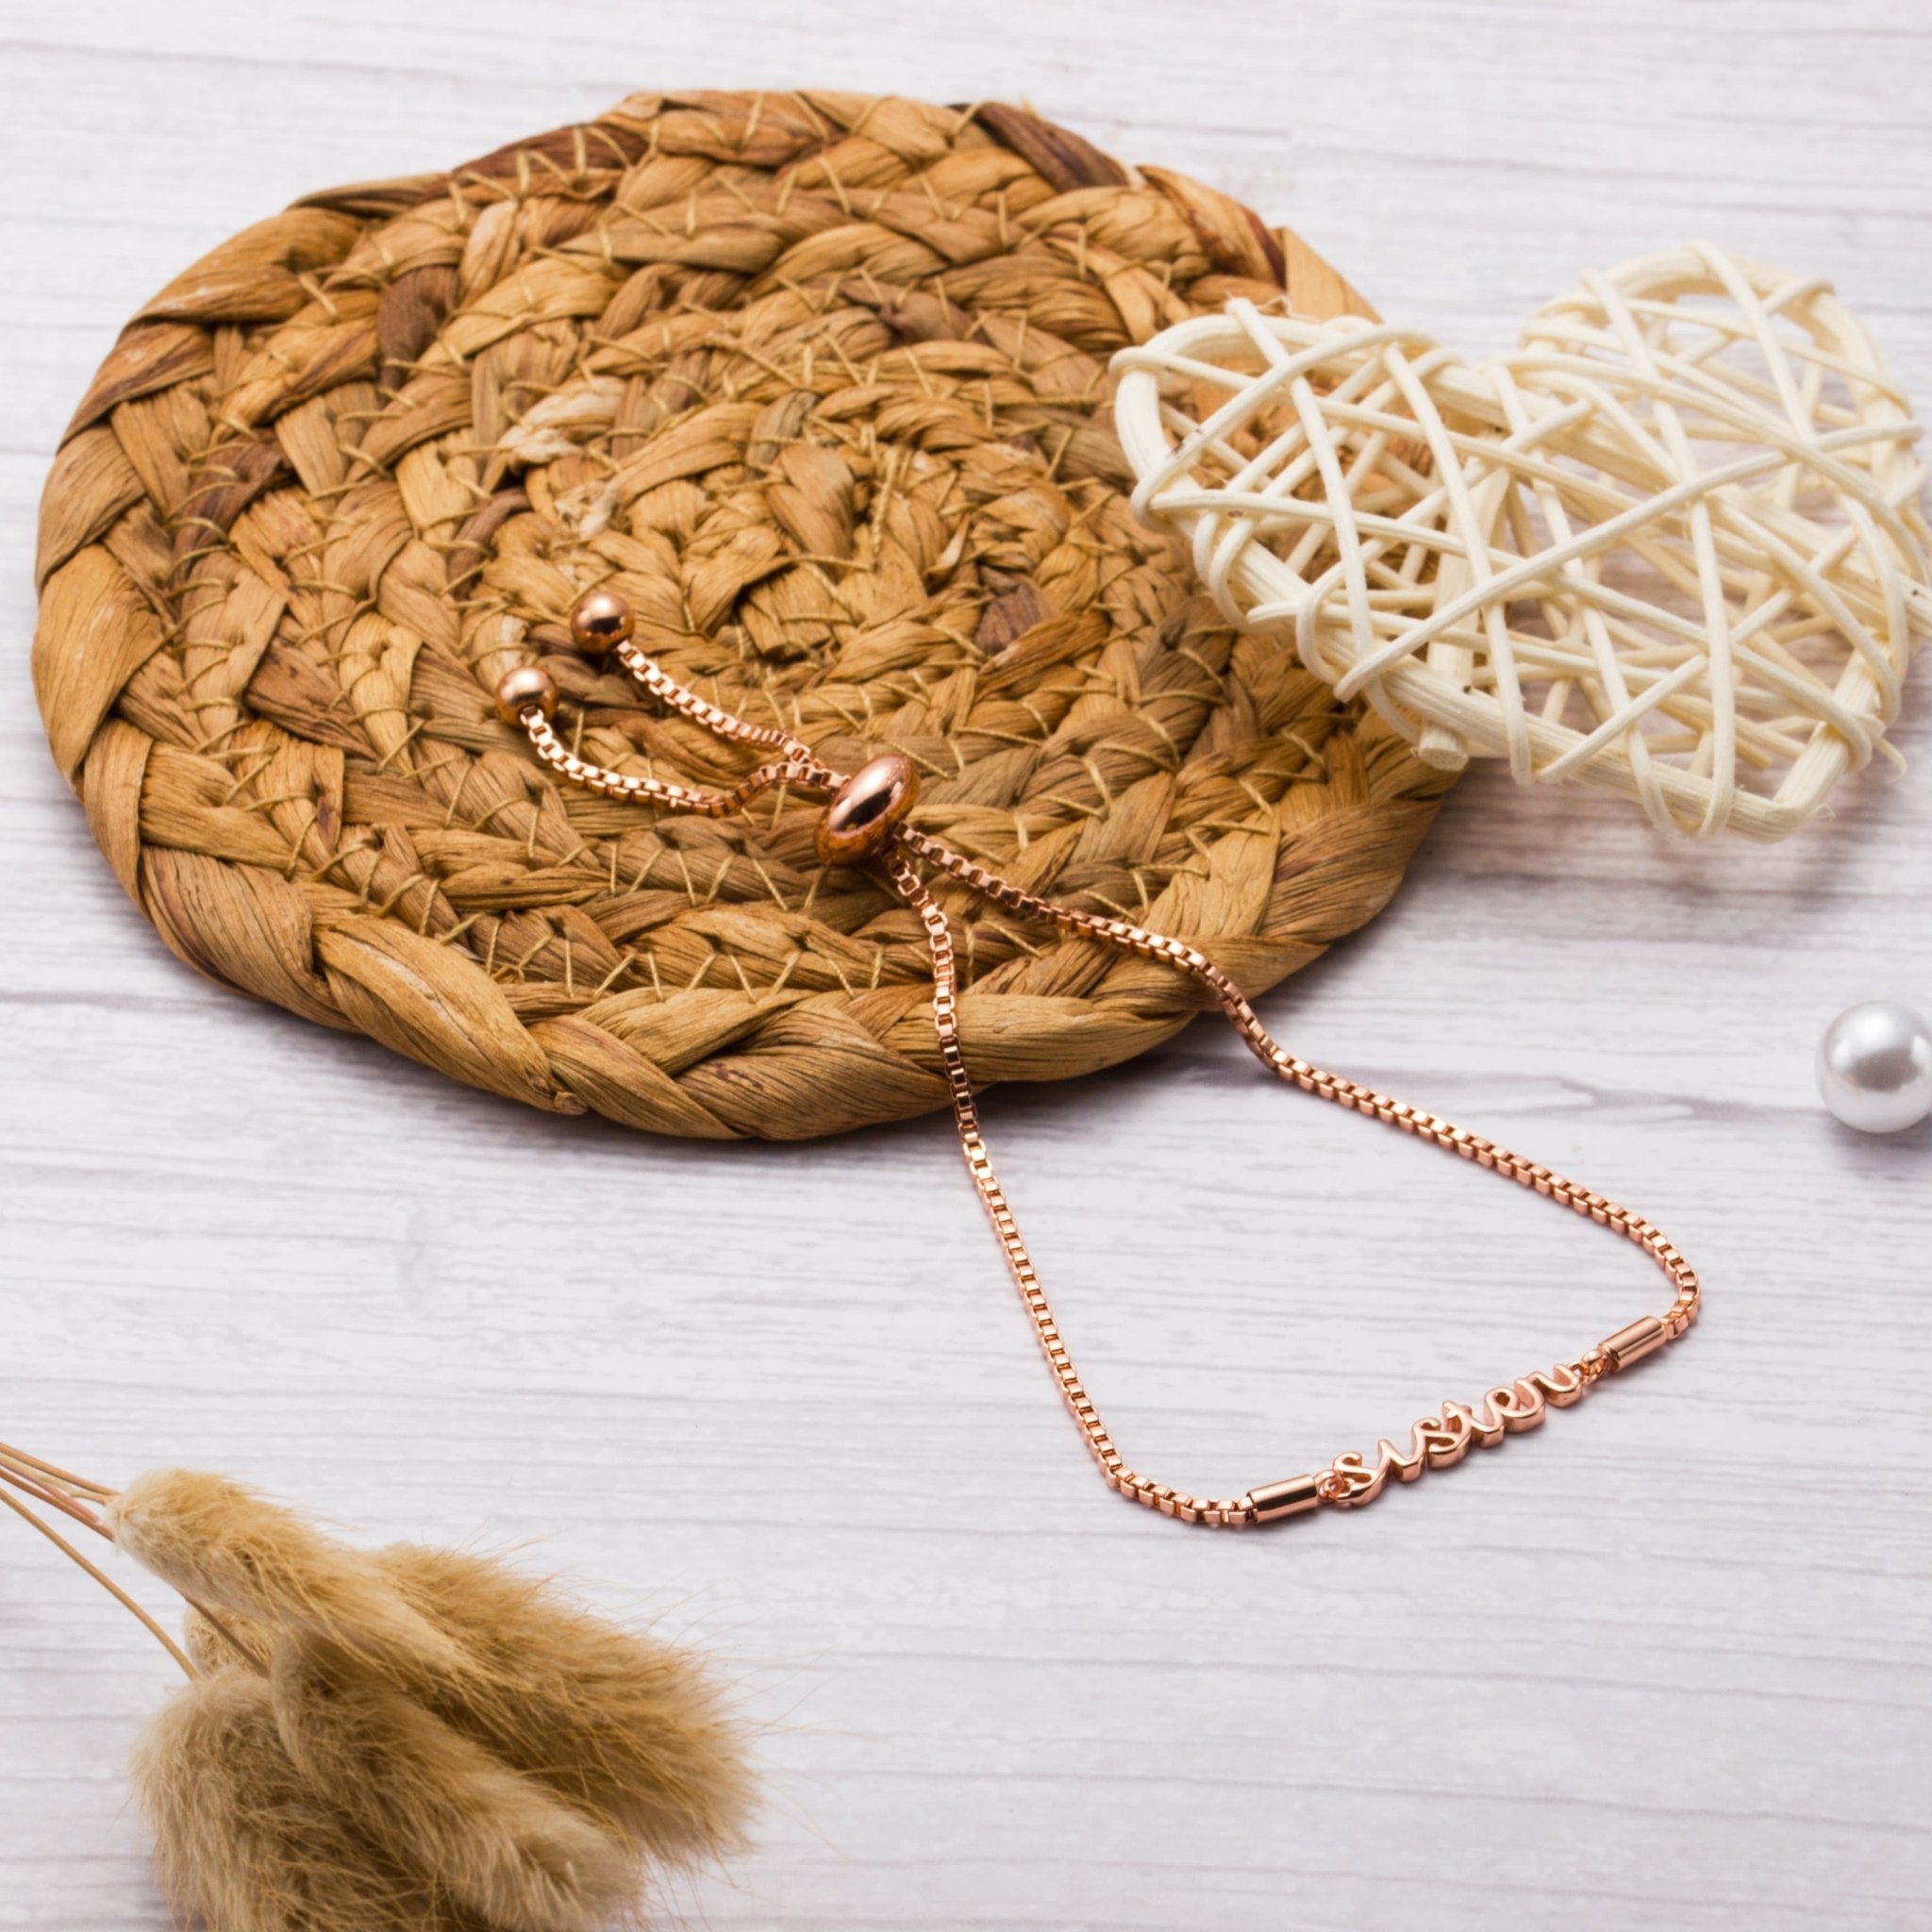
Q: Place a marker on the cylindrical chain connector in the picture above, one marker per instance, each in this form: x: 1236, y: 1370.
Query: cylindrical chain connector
x: 1294, y: 1495
x: 1642, y: 1337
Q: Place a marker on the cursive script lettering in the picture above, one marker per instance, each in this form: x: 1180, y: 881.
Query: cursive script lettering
x: 1437, y: 1441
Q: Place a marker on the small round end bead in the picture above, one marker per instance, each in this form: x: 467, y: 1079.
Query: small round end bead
x: 601, y: 622
x: 518, y: 689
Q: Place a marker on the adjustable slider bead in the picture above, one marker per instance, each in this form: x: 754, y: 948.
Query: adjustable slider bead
x: 518, y: 691
x: 870, y: 807
x: 601, y: 620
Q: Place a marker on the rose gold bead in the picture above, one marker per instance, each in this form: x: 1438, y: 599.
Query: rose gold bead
x: 601, y: 620
x: 860, y: 820
x: 527, y: 685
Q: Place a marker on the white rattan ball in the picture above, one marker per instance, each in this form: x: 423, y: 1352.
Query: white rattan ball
x: 1672, y: 545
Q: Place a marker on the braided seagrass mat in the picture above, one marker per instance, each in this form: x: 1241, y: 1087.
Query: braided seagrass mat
x: 819, y: 382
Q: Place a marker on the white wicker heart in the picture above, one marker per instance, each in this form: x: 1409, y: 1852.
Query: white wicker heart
x: 1673, y: 545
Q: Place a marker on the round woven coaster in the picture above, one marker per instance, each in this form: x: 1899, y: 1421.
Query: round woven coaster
x: 820, y: 382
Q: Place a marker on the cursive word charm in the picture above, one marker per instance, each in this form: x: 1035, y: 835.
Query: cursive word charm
x: 1436, y: 1441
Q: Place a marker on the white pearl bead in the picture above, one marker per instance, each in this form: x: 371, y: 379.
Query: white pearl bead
x: 1874, y: 1067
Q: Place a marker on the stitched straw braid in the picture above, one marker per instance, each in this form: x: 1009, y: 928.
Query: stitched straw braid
x: 818, y: 383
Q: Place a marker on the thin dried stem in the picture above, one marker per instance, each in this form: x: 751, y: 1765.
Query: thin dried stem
x: 225, y: 1632
x: 101, y: 1577
x: 56, y: 1498
x: 65, y: 1477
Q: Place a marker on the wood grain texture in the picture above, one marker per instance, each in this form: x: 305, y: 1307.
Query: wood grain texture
x: 1668, y: 1665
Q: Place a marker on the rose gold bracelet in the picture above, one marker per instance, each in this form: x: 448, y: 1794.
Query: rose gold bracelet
x: 865, y: 823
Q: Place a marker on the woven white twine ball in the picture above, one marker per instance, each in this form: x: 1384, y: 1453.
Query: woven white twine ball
x: 1673, y: 545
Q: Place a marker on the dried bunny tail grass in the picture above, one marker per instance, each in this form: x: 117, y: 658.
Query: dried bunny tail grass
x: 241, y: 1840
x: 222, y: 1543
x: 404, y: 1740
x: 633, y: 1731
x: 439, y: 1803
x: 216, y: 1644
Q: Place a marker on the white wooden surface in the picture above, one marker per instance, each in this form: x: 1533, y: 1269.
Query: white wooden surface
x: 1665, y: 1665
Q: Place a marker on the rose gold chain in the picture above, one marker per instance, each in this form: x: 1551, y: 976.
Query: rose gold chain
x: 866, y: 821
x: 1218, y: 1511
x: 627, y: 786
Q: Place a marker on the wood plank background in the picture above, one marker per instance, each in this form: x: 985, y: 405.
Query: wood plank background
x: 1664, y: 1666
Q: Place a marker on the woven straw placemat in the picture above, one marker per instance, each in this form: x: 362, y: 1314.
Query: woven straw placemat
x: 820, y: 383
